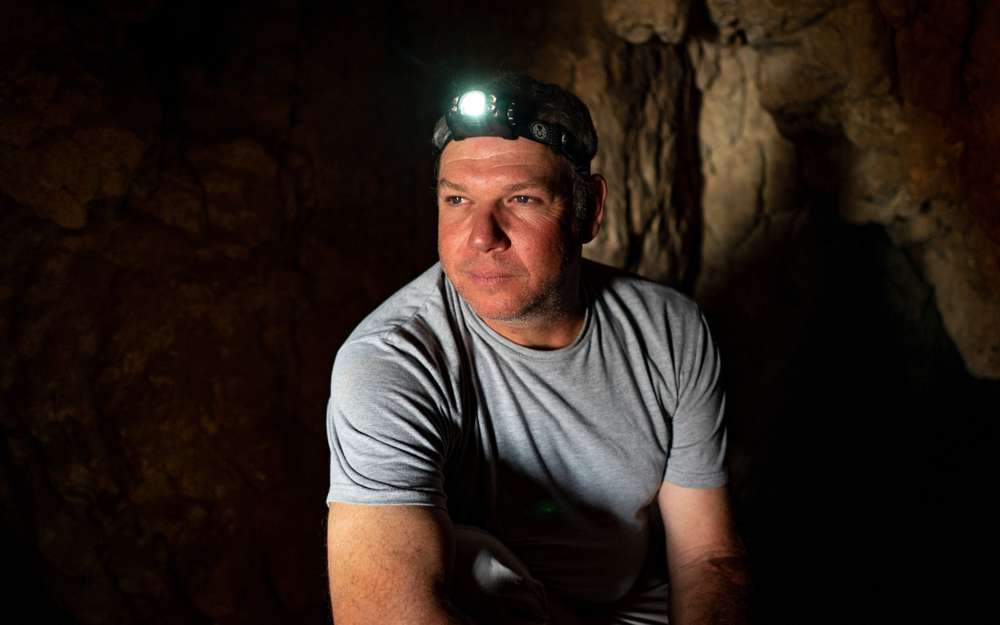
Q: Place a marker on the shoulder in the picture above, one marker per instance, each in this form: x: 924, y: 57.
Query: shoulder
x: 656, y: 322
x: 423, y: 301
x: 406, y: 342
x: 639, y: 298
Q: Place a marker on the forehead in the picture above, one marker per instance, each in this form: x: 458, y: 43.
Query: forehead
x: 485, y: 158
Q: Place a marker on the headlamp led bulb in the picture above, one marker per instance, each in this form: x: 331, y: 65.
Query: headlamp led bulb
x: 474, y: 103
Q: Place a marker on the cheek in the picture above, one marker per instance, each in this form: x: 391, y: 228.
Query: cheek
x: 442, y: 222
x: 543, y: 250
x: 446, y: 232
x: 452, y: 245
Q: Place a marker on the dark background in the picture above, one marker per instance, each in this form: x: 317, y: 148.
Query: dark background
x: 198, y: 201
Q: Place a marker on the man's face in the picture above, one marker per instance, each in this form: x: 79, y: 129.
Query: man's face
x: 506, y: 233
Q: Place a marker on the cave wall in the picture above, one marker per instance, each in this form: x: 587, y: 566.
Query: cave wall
x: 199, y: 200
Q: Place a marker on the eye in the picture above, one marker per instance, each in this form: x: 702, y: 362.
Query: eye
x: 523, y: 199
x: 453, y: 200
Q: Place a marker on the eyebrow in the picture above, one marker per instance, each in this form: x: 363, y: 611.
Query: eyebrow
x: 444, y: 182
x: 517, y: 186
x: 533, y: 183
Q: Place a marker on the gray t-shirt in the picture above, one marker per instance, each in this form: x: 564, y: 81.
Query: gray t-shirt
x: 559, y: 453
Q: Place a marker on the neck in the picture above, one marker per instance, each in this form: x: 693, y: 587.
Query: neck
x: 551, y: 336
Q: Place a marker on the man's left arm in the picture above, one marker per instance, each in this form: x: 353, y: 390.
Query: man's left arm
x: 706, y: 560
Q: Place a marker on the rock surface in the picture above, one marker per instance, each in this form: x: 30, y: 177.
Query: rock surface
x: 636, y: 21
x: 831, y: 68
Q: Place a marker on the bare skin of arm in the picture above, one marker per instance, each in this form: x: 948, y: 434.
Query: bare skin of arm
x: 389, y: 565
x: 706, y: 561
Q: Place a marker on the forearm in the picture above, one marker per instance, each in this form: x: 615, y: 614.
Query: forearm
x: 371, y: 605
x: 436, y: 615
x: 714, y: 590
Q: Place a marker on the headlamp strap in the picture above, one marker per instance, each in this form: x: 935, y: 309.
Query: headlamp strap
x: 504, y: 118
x: 557, y: 137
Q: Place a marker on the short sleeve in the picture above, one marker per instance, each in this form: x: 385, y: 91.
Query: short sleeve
x: 697, y: 456
x: 386, y: 428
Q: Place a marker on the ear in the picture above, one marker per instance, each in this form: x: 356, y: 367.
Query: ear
x: 590, y: 230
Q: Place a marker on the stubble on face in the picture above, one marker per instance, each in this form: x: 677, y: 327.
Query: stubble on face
x: 550, y: 302
x: 553, y: 302
x: 543, y: 258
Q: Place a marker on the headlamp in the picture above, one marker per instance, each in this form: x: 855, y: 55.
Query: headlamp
x: 476, y: 113
x: 473, y: 103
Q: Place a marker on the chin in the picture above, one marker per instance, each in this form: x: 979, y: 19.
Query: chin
x: 493, y: 310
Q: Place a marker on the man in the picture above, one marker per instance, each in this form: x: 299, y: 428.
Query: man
x: 505, y: 428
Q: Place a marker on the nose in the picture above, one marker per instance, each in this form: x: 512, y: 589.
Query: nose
x: 487, y: 234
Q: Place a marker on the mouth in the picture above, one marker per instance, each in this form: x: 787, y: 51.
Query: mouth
x: 488, y: 279
x: 488, y: 276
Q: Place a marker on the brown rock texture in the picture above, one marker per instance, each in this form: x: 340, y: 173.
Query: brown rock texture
x: 64, y: 143
x: 639, y: 97
x: 905, y: 92
x: 636, y: 21
x: 850, y: 71
x: 198, y: 201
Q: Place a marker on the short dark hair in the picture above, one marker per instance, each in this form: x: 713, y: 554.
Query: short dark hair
x: 555, y: 105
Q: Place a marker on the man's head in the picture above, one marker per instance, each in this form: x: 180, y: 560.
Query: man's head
x: 554, y: 105
x: 511, y: 221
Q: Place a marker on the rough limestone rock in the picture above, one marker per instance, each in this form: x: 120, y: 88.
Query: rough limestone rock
x: 636, y: 21
x: 59, y: 178
x: 963, y: 263
x: 827, y: 67
x: 171, y: 193
x: 646, y: 213
x: 64, y: 143
x: 759, y: 20
x: 843, y: 56
x: 917, y: 168
x: 239, y: 179
x: 748, y: 167
x: 651, y: 209
x: 756, y: 241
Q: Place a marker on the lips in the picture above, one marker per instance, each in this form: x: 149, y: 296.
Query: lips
x: 488, y: 278
x: 488, y: 274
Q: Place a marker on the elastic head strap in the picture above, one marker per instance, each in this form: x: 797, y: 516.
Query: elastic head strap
x: 477, y: 114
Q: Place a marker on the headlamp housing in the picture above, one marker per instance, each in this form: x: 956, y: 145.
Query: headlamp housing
x: 476, y: 113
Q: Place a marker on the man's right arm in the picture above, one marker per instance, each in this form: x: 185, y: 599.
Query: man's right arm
x: 388, y: 564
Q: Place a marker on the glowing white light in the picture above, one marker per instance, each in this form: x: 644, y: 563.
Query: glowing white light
x: 472, y: 103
